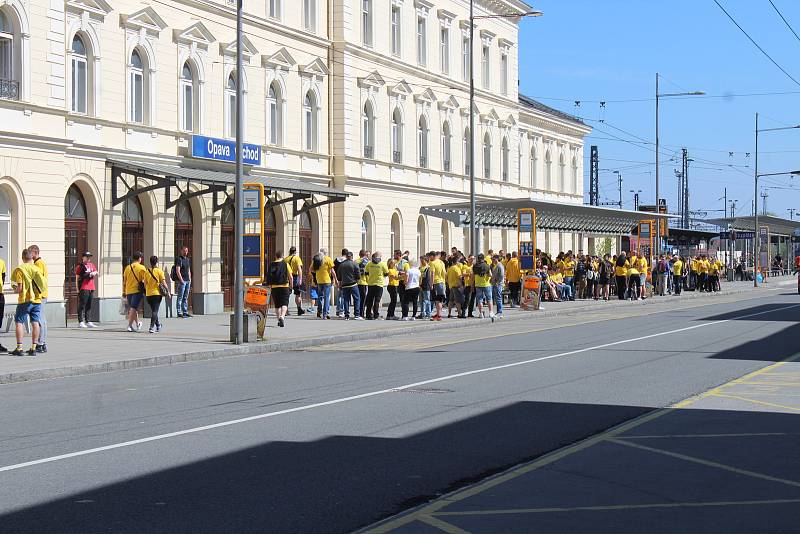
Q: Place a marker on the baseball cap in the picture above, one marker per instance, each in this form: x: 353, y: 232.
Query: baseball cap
x: 87, y: 253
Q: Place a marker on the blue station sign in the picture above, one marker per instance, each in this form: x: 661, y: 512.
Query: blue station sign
x: 224, y: 150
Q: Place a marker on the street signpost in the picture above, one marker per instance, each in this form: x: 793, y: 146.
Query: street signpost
x: 526, y: 238
x: 253, y: 237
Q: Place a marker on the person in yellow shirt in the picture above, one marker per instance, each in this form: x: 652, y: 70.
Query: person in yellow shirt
x: 42, y: 266
x: 702, y: 273
x: 643, y: 270
x: 713, y: 274
x: 393, y: 289
x: 621, y: 264
x: 514, y: 279
x: 482, y: 285
x: 153, y: 284
x: 295, y: 264
x: 133, y: 289
x: 438, y: 272
x: 469, y: 294
x: 2, y: 297
x: 693, y: 273
x: 325, y: 275
x: 376, y: 270
x: 677, y: 276
x: 363, y: 260
x: 634, y: 278
x: 29, y: 284
x: 455, y: 275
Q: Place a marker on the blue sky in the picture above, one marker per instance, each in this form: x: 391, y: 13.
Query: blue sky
x: 593, y: 50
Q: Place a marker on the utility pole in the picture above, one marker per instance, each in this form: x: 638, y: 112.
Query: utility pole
x: 764, y: 196
x: 685, y: 208
x: 725, y: 202
x: 791, y: 213
x: 733, y: 208
x: 473, y: 249
x: 619, y: 183
x: 594, y: 177
x: 636, y: 199
x: 238, y: 281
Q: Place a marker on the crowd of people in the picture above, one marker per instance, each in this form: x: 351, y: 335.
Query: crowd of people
x: 29, y: 282
x: 466, y: 286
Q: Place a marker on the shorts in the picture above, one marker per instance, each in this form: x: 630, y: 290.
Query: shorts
x: 456, y: 295
x: 439, y: 294
x: 483, y: 295
x: 134, y: 300
x: 26, y: 310
x: 297, y: 286
x: 280, y: 296
x: 635, y: 280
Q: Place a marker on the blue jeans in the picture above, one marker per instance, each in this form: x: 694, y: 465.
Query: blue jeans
x: 42, y: 324
x: 566, y: 291
x: 353, y: 293
x: 426, y: 303
x: 340, y: 303
x: 323, y: 299
x: 570, y: 281
x: 183, y: 297
x: 497, y: 295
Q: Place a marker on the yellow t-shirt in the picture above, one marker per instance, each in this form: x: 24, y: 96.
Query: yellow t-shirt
x: 556, y: 278
x: 393, y: 273
x: 713, y: 269
x: 642, y: 265
x: 454, y: 274
x: 568, y: 268
x: 133, y: 274
x: 702, y: 266
x: 2, y: 273
x: 324, y: 271
x: 294, y: 263
x: 621, y: 270
x: 695, y: 265
x: 439, y: 271
x: 513, y: 273
x: 151, y: 281
x: 376, y: 272
x: 23, y: 276
x: 483, y: 281
x: 362, y: 280
x: 633, y: 266
x: 466, y: 272
x: 677, y: 268
x: 42, y: 267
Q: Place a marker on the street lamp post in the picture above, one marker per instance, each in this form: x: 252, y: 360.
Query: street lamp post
x: 658, y: 97
x: 238, y: 281
x: 636, y: 199
x: 756, y: 176
x: 472, y: 18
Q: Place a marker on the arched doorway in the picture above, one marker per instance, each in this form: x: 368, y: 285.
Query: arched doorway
x: 184, y: 237
x: 227, y: 247
x: 421, y: 237
x: 75, y: 243
x: 395, y: 236
x: 270, y: 235
x: 304, y: 241
x: 132, y: 229
x: 5, y: 230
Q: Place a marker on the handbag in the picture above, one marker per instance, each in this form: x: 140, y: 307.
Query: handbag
x: 162, y: 287
x: 123, y: 306
x: 140, y: 285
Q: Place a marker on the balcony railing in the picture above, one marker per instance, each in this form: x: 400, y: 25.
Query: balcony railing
x: 9, y: 90
x: 369, y: 152
x: 397, y: 156
x: 446, y: 165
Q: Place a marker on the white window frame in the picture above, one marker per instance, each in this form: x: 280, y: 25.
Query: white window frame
x: 188, y: 111
x: 397, y: 30
x: 274, y: 114
x: 422, y: 41
x: 466, y: 147
x: 504, y: 73
x: 78, y: 62
x: 397, y: 136
x: 310, y: 15
x: 274, y: 11
x: 310, y: 122
x: 447, y: 145
x: 230, y: 104
x: 487, y: 157
x: 505, y: 160
x: 422, y: 142
x: 466, y: 51
x: 137, y: 113
x: 7, y: 49
x: 366, y: 23
x: 485, y: 66
x: 444, y: 49
x: 368, y: 130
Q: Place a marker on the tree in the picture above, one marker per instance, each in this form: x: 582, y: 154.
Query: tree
x: 603, y: 247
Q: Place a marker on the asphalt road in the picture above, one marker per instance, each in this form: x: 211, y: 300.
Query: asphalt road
x: 333, y: 440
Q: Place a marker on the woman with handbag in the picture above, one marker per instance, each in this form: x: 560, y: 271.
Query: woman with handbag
x: 133, y: 278
x: 155, y: 289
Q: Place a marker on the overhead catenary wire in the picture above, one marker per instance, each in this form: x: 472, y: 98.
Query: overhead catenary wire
x: 778, y: 11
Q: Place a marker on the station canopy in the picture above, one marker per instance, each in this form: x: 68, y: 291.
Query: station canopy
x: 554, y: 216
x: 130, y: 178
x: 776, y: 225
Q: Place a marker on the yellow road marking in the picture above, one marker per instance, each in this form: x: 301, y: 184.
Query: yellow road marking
x: 758, y: 402
x: 706, y: 463
x: 444, y: 526
x: 615, y: 507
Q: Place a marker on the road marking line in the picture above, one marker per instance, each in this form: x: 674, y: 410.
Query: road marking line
x: 707, y: 463
x: 444, y: 526
x: 370, y: 394
x: 737, y: 435
x: 758, y: 402
x: 615, y: 507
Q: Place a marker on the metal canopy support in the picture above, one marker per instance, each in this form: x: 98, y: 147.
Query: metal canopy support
x: 135, y: 189
x: 217, y: 206
x: 185, y: 194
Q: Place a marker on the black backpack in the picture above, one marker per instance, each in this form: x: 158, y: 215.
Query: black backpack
x: 173, y: 273
x: 278, y: 273
x: 316, y: 262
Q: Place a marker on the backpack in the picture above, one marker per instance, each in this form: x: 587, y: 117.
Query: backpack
x: 278, y: 273
x: 662, y: 266
x: 173, y: 273
x: 316, y: 262
x: 580, y: 269
x: 361, y: 266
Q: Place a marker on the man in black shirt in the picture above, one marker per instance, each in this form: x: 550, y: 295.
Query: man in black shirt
x: 348, y: 273
x: 183, y: 285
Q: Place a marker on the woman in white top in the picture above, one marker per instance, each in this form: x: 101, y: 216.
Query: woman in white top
x: 411, y: 295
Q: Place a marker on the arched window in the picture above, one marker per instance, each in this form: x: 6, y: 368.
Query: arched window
x: 395, y: 236
x: 534, y: 166
x: 422, y: 138
x: 230, y: 105
x: 132, y: 229
x: 561, y: 176
x: 310, y: 122
x: 368, y: 121
x: 189, y: 98
x: 576, y: 182
x: 366, y: 231
x: 505, y: 159
x: 487, y: 157
x: 446, y: 142
x: 397, y: 136
x: 421, y: 236
x: 80, y: 76
x: 467, y: 144
x: 74, y: 205
x: 275, y: 114
x: 10, y: 59
x: 519, y: 163
x: 139, y: 90
x: 548, y: 170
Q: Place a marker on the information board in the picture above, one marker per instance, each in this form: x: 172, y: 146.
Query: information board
x: 253, y: 238
x: 526, y: 238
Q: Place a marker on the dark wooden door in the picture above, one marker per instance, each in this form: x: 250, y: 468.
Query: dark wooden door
x: 132, y: 232
x: 184, y: 237
x: 76, y: 242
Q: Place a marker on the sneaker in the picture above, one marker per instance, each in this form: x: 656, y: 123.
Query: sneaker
x: 319, y: 315
x: 91, y: 325
x: 17, y: 352
x: 3, y: 349
x: 159, y: 328
x: 327, y: 317
x: 31, y: 351
x: 280, y: 323
x: 300, y: 311
x: 139, y: 326
x: 412, y: 318
x: 186, y: 315
x: 82, y: 325
x: 41, y: 348
x: 358, y: 318
x: 152, y: 330
x: 130, y: 329
x: 338, y: 314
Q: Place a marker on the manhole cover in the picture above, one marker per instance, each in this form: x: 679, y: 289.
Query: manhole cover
x: 430, y: 391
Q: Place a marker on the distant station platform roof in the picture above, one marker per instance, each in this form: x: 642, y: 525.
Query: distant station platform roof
x: 776, y: 225
x: 554, y: 216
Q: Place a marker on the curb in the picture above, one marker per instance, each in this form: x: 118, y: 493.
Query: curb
x: 298, y: 344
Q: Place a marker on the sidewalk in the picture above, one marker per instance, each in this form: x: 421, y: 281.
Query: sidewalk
x: 75, y: 351
x: 724, y: 461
